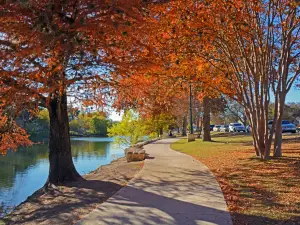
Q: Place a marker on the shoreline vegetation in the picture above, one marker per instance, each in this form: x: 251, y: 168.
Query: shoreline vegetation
x: 82, y: 124
x: 256, y: 192
x: 68, y: 204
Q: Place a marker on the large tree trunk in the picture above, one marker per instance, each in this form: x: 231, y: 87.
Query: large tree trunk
x: 278, y: 140
x: 206, y: 119
x: 62, y: 169
x: 184, y: 124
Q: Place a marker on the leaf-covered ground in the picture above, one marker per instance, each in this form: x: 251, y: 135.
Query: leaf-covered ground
x: 256, y: 192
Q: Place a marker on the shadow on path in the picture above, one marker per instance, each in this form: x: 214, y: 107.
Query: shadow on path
x: 136, y: 206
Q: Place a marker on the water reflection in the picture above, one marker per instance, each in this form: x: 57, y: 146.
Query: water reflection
x: 24, y: 171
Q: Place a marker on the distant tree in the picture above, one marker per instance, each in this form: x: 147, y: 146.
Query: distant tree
x: 98, y: 126
x: 291, y: 111
x: 235, y: 112
x: 129, y: 130
x: 158, y: 123
x: 43, y: 118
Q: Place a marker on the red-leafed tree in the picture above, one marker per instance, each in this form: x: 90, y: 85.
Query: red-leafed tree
x: 254, y: 45
x: 54, y: 49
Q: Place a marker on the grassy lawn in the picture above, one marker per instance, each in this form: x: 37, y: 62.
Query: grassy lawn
x: 256, y: 192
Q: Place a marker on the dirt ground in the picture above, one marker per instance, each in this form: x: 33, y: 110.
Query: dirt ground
x: 68, y: 204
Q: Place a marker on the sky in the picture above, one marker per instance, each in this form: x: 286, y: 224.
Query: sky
x: 115, y: 116
x: 293, y: 95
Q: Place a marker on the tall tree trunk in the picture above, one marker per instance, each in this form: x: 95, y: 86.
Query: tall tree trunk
x: 206, y: 119
x: 62, y: 169
x: 261, y: 140
x: 244, y: 119
x: 198, y: 126
x: 184, y: 124
x: 161, y: 131
x: 277, y: 152
x: 278, y: 140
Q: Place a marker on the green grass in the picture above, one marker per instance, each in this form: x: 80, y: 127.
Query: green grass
x: 202, y: 149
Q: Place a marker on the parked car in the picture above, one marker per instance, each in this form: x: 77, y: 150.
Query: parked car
x: 224, y: 128
x: 286, y: 125
x: 236, y: 127
x: 216, y: 128
x: 211, y: 127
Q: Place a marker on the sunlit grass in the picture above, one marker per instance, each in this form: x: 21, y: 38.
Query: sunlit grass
x: 256, y: 191
x: 206, y: 149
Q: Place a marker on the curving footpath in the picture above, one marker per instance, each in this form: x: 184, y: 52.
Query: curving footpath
x: 172, y: 188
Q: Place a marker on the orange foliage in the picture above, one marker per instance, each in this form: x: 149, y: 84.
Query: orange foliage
x: 53, y: 48
x: 11, y: 135
x: 172, y: 35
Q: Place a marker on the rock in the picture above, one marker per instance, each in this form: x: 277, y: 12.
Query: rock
x: 135, y: 154
x: 190, y: 137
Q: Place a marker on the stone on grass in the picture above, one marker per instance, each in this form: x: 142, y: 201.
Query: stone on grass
x: 190, y: 137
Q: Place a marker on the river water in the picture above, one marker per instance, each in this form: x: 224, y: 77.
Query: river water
x: 26, y: 170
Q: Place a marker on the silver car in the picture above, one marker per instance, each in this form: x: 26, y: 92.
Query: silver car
x: 286, y: 126
x: 216, y: 128
x: 224, y: 128
x: 236, y: 127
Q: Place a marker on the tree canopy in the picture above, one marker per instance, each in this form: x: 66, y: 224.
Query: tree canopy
x: 145, y: 55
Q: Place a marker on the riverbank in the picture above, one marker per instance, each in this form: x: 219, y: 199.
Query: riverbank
x: 68, y: 204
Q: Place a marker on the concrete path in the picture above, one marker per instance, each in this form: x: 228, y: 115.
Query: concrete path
x: 172, y: 188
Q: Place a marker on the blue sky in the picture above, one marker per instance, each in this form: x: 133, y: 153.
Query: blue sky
x: 293, y: 95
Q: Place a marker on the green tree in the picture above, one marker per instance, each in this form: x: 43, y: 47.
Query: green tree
x: 158, y: 123
x: 38, y: 125
x: 130, y: 130
x: 43, y: 118
x: 98, y: 126
x: 95, y: 123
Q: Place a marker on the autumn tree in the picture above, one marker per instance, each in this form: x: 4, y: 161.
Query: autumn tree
x: 52, y: 50
x: 253, y: 45
x: 258, y: 41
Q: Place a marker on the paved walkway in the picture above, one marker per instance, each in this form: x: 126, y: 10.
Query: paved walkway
x: 172, y: 188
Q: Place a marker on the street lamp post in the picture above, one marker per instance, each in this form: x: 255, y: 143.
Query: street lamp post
x: 191, y: 110
x: 190, y: 136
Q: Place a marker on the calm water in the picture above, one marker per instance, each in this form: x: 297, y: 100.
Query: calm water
x: 26, y: 170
